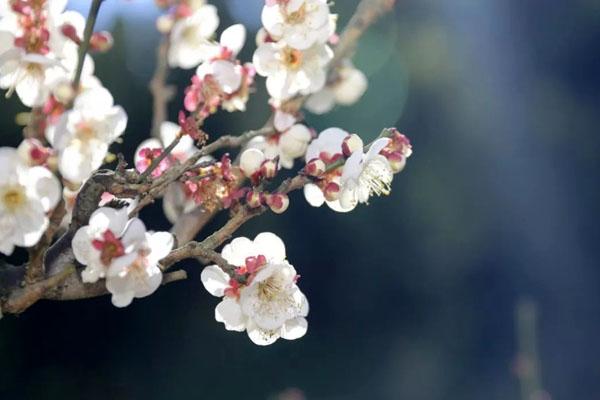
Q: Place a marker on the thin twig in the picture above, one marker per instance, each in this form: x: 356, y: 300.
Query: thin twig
x: 161, y: 92
x: 85, y: 43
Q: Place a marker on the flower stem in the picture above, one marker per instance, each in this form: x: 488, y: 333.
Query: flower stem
x: 85, y: 43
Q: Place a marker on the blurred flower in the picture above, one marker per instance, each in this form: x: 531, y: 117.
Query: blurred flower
x: 349, y: 87
x: 190, y: 37
x: 26, y: 195
x: 288, y: 145
x: 82, y: 135
x: 299, y: 23
x: 292, y: 71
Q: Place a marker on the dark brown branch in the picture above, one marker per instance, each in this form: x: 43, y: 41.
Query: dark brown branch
x: 74, y: 289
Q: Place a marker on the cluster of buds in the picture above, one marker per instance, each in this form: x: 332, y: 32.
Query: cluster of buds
x: 214, y: 186
x: 190, y: 126
x: 256, y: 166
x: 99, y: 41
x: 277, y: 202
x: 397, y: 150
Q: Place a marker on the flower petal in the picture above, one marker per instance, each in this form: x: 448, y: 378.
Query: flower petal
x: 229, y: 312
x: 215, y: 280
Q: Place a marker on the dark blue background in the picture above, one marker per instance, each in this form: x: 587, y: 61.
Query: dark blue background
x: 412, y: 297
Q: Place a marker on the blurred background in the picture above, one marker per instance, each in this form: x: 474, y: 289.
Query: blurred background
x: 413, y: 297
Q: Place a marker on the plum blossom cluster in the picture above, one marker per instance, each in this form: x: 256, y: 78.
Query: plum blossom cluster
x: 123, y: 252
x: 35, y: 53
x: 52, y: 192
x: 263, y: 297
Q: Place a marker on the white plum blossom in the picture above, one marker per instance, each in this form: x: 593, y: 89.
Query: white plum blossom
x: 98, y: 243
x: 191, y: 38
x: 365, y: 175
x: 113, y: 247
x: 269, y: 305
x: 299, y: 23
x: 27, y: 194
x: 221, y: 66
x: 34, y: 57
x: 137, y: 274
x: 346, y: 90
x: 292, y: 71
x: 288, y: 145
x: 82, y: 135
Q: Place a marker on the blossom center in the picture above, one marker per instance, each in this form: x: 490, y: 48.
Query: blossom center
x: 377, y: 177
x: 85, y: 131
x: 14, y: 197
x: 110, y: 247
x: 292, y: 58
x: 271, y: 288
x: 296, y: 17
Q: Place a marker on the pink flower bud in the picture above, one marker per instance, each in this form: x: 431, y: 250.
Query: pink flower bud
x: 278, y: 202
x: 254, y: 199
x: 351, y: 144
x: 69, y: 31
x: 269, y: 168
x: 332, y: 191
x: 101, y: 41
x: 315, y: 167
x: 251, y: 162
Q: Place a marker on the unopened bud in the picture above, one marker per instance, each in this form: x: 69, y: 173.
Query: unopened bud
x: 101, y: 41
x: 254, y: 199
x: 351, y: 144
x: 63, y: 92
x: 269, y: 169
x: 332, y: 191
x: 251, y: 161
x: 315, y: 167
x: 278, y: 202
x: 69, y: 31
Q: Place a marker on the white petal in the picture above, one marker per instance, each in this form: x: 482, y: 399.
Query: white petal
x: 271, y: 246
x: 321, y: 102
x: 294, y: 328
x: 228, y: 75
x: 259, y: 336
x: 45, y: 185
x: 134, y: 235
x: 161, y: 244
x: 238, y: 250
x: 229, y: 312
x: 251, y: 160
x: 215, y: 280
x: 109, y: 218
x: 234, y: 38
x: 376, y: 147
x: 313, y: 194
x: 82, y: 245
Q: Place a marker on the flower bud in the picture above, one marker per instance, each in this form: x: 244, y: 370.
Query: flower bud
x: 315, y: 167
x: 269, y: 169
x: 332, y: 191
x: 254, y: 199
x: 351, y: 144
x: 101, y: 41
x: 70, y: 32
x: 278, y: 202
x: 251, y: 161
